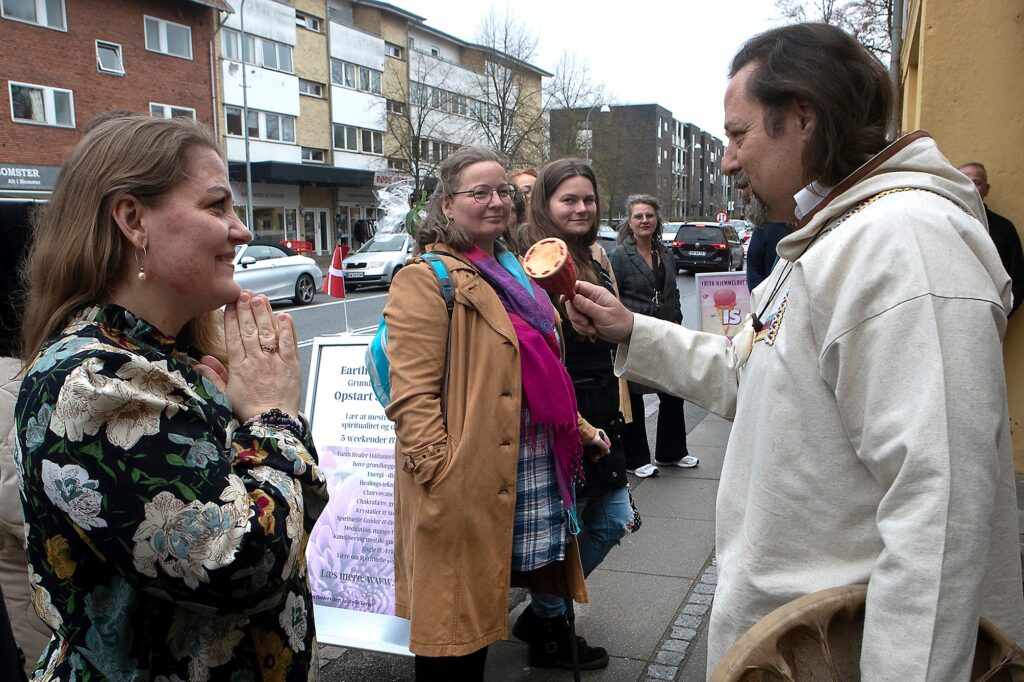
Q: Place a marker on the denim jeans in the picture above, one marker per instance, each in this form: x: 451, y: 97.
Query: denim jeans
x: 602, y: 524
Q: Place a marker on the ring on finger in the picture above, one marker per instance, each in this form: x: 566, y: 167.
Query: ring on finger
x: 269, y: 349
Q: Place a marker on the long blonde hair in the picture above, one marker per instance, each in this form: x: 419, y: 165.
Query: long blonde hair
x: 77, y: 253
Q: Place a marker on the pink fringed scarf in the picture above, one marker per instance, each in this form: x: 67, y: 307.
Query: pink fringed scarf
x: 547, y: 388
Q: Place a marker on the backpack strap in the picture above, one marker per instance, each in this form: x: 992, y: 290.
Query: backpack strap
x: 444, y: 283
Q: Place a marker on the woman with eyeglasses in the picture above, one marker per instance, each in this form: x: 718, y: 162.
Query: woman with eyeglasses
x: 489, y: 442
x: 646, y: 273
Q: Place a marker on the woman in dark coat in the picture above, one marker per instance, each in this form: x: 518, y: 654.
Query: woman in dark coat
x: 646, y: 275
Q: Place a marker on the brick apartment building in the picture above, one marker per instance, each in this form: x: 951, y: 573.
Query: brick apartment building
x: 65, y: 62
x: 642, y: 148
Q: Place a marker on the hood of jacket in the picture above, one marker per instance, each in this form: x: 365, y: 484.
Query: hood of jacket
x: 913, y: 161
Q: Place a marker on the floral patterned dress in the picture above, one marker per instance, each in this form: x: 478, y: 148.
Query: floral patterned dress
x: 165, y: 541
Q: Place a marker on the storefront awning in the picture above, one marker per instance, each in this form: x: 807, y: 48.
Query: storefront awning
x: 301, y: 174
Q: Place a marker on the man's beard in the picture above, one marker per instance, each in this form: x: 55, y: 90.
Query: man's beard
x: 755, y: 210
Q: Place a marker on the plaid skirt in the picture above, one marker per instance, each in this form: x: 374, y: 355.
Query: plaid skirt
x: 539, y: 534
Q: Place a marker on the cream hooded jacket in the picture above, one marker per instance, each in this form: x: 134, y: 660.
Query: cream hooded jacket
x: 871, y: 441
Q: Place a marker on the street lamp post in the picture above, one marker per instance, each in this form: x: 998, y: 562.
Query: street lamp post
x: 586, y: 125
x: 245, y: 128
x: 694, y: 146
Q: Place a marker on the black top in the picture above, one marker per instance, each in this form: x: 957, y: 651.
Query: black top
x: 643, y: 289
x: 590, y: 365
x: 1007, y: 242
x: 761, y: 253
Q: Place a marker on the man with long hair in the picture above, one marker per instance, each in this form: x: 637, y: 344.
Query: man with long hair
x: 871, y: 441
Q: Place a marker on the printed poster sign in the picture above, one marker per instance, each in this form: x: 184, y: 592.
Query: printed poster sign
x: 351, y: 549
x: 724, y: 302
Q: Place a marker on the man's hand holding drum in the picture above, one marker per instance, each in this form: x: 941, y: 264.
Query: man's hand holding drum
x: 594, y: 311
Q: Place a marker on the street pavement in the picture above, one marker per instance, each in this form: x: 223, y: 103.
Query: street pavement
x: 649, y: 599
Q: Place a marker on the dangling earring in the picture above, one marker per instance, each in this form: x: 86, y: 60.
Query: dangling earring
x: 141, y: 262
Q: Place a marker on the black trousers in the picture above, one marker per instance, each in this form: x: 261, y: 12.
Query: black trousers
x: 671, y: 445
x: 468, y: 668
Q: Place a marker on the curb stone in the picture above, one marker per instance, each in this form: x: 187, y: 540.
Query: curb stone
x: 691, y: 618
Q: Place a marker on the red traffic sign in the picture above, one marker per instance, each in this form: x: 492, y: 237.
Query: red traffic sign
x: 722, y: 216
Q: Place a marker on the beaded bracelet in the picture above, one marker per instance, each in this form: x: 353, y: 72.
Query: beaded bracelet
x: 276, y: 417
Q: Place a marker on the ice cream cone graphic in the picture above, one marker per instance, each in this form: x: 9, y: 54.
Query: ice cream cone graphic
x: 725, y: 302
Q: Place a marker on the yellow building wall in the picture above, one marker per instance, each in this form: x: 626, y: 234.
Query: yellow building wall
x: 396, y: 76
x: 963, y: 82
x: 310, y: 60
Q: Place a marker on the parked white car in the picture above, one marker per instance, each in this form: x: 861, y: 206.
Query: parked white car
x: 277, y: 272
x: 377, y: 261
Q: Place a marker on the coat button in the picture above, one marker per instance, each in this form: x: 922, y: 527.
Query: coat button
x: 503, y: 491
x: 505, y: 443
x: 506, y: 395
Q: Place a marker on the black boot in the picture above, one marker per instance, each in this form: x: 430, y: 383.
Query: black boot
x: 527, y: 625
x: 549, y: 643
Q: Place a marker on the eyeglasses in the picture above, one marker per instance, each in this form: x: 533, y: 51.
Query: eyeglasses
x: 641, y: 216
x: 482, y: 193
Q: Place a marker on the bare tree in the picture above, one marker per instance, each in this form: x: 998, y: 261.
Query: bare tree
x: 869, y: 21
x: 425, y: 122
x: 572, y: 90
x: 510, y: 113
x: 612, y: 153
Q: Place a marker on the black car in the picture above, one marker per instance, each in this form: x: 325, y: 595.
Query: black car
x: 707, y: 246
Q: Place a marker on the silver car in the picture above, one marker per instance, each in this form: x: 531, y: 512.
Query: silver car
x: 377, y: 261
x: 276, y: 271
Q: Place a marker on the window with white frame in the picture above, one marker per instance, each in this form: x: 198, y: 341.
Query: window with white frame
x: 357, y: 77
x: 311, y: 88
x: 256, y: 50
x: 109, y: 58
x: 438, y: 99
x: 459, y: 104
x: 398, y: 164
x: 168, y: 38
x: 417, y: 94
x: 392, y: 50
x: 277, y: 56
x: 279, y: 127
x: 46, y: 13
x: 346, y: 137
x: 372, y: 142
x: 170, y: 111
x: 395, y: 106
x: 42, y: 105
x: 313, y: 155
x: 353, y: 139
x: 435, y: 150
x: 229, y: 45
x: 308, y: 21
x: 262, y: 125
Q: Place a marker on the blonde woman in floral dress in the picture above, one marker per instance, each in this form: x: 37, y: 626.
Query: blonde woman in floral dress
x: 167, y: 481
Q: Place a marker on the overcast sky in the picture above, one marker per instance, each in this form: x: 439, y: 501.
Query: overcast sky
x: 674, y: 53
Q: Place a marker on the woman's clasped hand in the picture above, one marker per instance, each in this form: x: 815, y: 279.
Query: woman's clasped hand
x: 263, y: 371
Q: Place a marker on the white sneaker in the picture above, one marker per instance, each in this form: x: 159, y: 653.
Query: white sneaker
x: 645, y: 471
x: 687, y: 462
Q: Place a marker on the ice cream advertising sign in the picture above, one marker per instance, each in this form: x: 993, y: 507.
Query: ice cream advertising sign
x: 724, y: 302
x: 351, y: 549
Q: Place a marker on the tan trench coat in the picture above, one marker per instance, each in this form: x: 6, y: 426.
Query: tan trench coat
x: 455, y: 488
